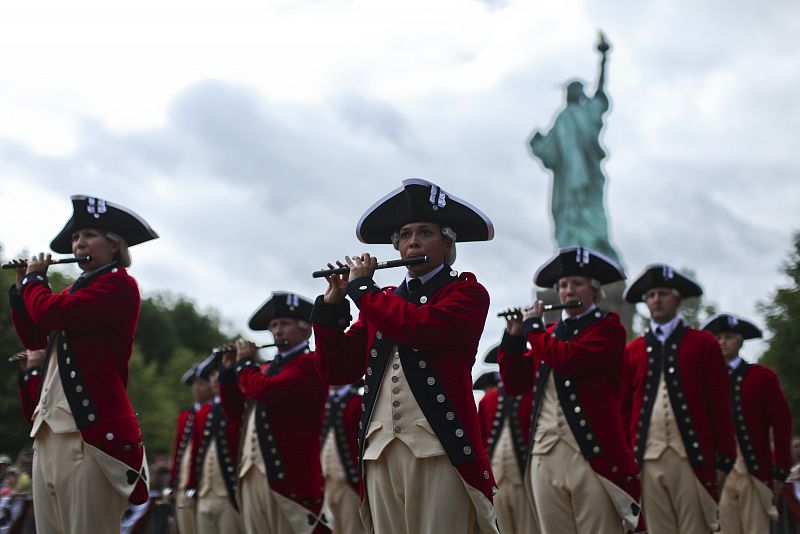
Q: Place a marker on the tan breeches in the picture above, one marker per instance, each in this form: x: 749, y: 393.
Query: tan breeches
x: 740, y: 507
x: 409, y: 495
x: 671, y: 500
x: 71, y: 495
x: 514, y: 513
x: 185, y: 513
x: 568, y: 495
x: 216, y: 515
x: 343, y: 503
x: 262, y: 512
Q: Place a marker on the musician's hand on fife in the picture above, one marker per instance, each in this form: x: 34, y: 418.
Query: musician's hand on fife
x: 361, y: 266
x: 20, y: 266
x: 337, y: 285
x: 228, y: 357
x: 533, y: 312
x: 39, y: 263
x: 514, y: 325
x: 245, y: 349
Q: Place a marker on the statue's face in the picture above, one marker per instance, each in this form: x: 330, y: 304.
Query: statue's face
x: 575, y: 93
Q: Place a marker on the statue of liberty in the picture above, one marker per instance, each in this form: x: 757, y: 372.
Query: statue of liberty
x: 571, y: 149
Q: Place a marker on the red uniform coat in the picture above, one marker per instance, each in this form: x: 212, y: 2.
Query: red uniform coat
x: 493, y: 410
x: 210, y: 424
x: 699, y: 390
x: 761, y: 410
x: 289, y: 399
x: 91, y: 324
x: 341, y: 417
x: 30, y: 384
x: 183, y: 436
x: 586, y: 359
x: 436, y: 329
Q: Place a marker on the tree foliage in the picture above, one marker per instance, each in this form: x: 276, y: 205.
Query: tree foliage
x: 171, y: 335
x: 782, y: 316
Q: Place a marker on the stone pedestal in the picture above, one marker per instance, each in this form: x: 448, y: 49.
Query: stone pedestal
x: 613, y: 301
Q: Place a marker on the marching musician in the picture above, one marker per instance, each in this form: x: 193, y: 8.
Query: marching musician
x: 676, y: 402
x: 340, y: 457
x: 89, y: 458
x: 423, y: 464
x: 214, y: 450
x: 281, y: 406
x: 182, y: 451
x: 763, y: 425
x: 505, y: 427
x: 581, y: 471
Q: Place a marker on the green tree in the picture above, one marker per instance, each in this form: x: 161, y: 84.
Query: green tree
x: 782, y: 315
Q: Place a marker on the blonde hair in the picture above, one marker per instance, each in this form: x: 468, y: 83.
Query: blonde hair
x: 123, y: 255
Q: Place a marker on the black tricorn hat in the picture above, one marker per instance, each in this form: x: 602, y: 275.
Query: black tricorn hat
x: 93, y: 212
x: 725, y: 322
x: 207, y: 366
x: 188, y: 377
x: 281, y: 304
x: 661, y: 275
x: 578, y: 261
x: 491, y: 356
x: 487, y: 380
x: 422, y: 201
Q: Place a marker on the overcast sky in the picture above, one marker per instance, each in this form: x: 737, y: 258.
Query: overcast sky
x: 252, y: 137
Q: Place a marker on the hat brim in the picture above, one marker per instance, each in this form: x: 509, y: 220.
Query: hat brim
x: 277, y: 306
x: 720, y: 323
x: 412, y: 203
x: 653, y: 276
x: 117, y: 219
x: 486, y: 380
x: 599, y: 267
x: 491, y: 356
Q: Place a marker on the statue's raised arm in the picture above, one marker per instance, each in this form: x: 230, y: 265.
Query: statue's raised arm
x: 603, y: 47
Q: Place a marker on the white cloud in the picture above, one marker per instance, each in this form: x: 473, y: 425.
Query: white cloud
x: 253, y: 137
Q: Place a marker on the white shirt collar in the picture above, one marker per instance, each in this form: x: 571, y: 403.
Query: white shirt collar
x: 590, y: 309
x: 734, y: 363
x: 425, y: 277
x: 296, y: 348
x: 666, y: 328
x: 87, y: 274
x: 197, y: 406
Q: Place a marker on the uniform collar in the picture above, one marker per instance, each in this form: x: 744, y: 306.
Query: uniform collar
x: 666, y: 329
x: 565, y: 316
x: 425, y: 277
x: 297, y: 348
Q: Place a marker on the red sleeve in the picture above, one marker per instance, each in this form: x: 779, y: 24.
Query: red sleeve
x: 626, y: 390
x: 484, y: 417
x: 178, y: 430
x: 597, y: 350
x: 31, y: 336
x: 439, y: 325
x: 340, y: 357
x: 516, y: 368
x: 298, y: 382
x: 718, y: 398
x: 780, y: 419
x: 97, y: 304
x: 231, y: 397
x: 30, y: 384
